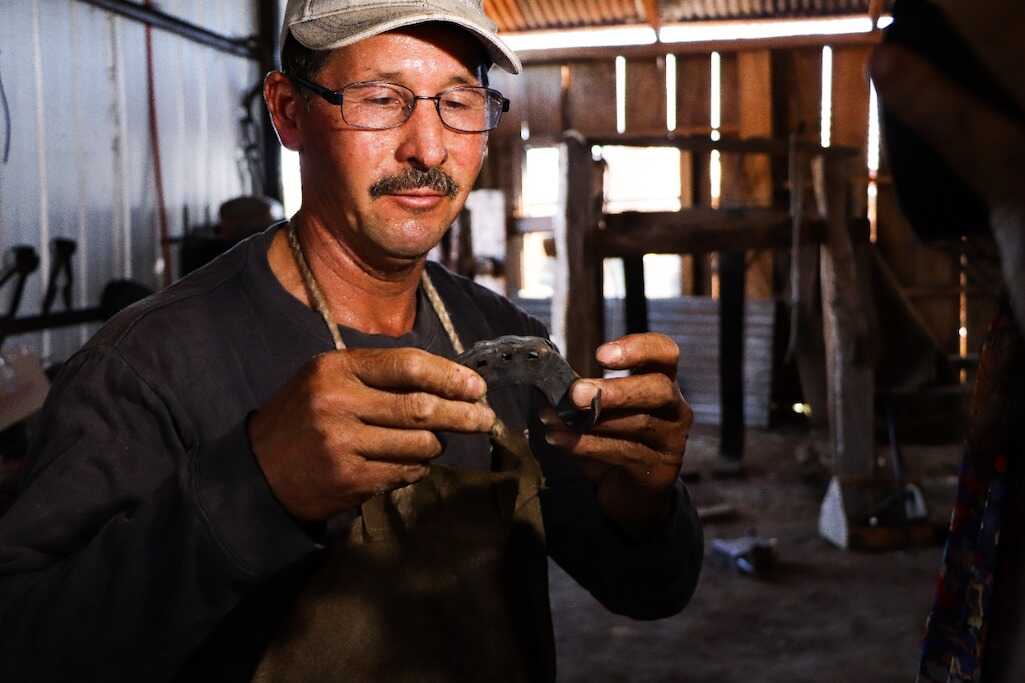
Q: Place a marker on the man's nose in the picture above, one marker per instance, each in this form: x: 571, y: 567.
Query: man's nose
x: 424, y: 137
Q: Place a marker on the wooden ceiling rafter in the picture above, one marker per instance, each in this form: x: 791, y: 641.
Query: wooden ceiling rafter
x: 563, y: 12
x: 576, y: 13
x: 526, y: 14
x: 516, y: 15
x: 494, y: 9
x: 592, y: 10
x: 653, y: 14
x: 544, y: 7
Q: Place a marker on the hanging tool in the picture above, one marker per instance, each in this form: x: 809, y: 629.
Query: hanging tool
x: 61, y: 250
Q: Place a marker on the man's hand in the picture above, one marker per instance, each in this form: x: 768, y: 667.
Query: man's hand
x: 985, y: 147
x: 635, y: 452
x: 356, y: 423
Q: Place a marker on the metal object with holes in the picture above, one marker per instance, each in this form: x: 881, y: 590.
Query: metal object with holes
x: 511, y: 360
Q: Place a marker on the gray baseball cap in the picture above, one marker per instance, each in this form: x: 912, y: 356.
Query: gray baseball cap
x: 329, y: 24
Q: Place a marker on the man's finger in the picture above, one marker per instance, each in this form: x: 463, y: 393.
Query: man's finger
x: 622, y: 452
x: 416, y: 370
x: 653, y: 430
x: 980, y: 144
x: 420, y: 410
x: 637, y: 392
x: 381, y: 477
x: 398, y: 446
x: 650, y: 349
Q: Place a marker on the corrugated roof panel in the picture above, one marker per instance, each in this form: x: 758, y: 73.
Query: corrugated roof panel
x: 533, y: 15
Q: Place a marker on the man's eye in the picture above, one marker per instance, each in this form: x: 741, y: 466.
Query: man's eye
x: 383, y: 101
x: 455, y: 104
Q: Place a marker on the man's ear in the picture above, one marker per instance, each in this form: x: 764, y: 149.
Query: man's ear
x: 284, y: 102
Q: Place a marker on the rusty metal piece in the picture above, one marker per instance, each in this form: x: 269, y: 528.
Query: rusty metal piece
x: 511, y: 360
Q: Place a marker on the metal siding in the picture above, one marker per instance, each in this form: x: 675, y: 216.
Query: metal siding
x: 81, y: 166
x: 19, y: 178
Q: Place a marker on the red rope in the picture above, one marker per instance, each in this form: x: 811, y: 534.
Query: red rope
x: 158, y: 175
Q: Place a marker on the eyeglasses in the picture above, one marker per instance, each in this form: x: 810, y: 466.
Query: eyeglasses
x: 379, y: 105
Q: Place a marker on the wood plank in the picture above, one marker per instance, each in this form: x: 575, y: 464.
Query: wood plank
x: 851, y: 100
x: 749, y: 180
x: 577, y: 303
x: 731, y: 355
x: 797, y: 92
x: 562, y: 55
x: 730, y: 82
x: 646, y: 96
x: 702, y: 143
x: 635, y: 302
x: 850, y: 368
x: 544, y: 99
x: 704, y: 230
x: 693, y: 87
x: 591, y: 99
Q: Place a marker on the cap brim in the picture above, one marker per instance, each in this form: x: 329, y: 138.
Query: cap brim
x: 346, y: 28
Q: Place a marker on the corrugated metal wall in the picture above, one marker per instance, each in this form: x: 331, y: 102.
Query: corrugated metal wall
x: 80, y: 163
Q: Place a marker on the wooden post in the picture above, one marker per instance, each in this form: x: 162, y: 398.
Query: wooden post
x: 850, y: 369
x: 635, y: 302
x: 578, y: 305
x: 731, y: 356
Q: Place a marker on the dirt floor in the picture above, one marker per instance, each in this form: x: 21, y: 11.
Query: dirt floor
x: 825, y: 615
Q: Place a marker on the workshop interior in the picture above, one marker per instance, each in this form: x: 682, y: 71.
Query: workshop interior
x: 722, y: 173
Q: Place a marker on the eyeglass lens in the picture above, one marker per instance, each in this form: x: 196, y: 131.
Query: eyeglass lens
x: 387, y: 105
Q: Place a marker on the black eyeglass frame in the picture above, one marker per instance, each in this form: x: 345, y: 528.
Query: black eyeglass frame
x: 337, y: 97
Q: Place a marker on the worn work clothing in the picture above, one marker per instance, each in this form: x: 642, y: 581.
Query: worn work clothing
x: 147, y: 544
x: 976, y: 627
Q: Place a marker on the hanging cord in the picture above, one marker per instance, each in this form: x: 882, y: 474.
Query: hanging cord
x: 7, y: 121
x: 312, y: 288
x: 158, y: 174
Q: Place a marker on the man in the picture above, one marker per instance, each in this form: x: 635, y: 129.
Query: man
x: 230, y: 489
x: 976, y: 630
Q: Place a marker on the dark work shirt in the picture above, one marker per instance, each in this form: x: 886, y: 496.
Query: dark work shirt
x: 147, y: 544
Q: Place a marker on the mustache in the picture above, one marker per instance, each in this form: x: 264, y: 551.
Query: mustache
x: 413, y: 179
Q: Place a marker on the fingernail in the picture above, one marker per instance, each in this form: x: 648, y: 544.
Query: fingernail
x: 609, y: 353
x: 475, y: 385
x: 549, y: 417
x: 583, y: 393
x: 488, y: 418
x: 559, y: 438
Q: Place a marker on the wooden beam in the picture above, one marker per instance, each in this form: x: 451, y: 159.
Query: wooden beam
x: 703, y: 230
x: 702, y: 143
x: 563, y: 55
x: 731, y: 355
x: 578, y: 308
x: 635, y: 302
x: 850, y: 367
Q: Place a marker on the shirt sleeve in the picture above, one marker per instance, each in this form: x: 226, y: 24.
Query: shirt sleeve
x: 127, y: 545
x: 645, y: 577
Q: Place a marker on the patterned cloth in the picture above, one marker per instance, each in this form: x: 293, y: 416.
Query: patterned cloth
x: 989, y: 502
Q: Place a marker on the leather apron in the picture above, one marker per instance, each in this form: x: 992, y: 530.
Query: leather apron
x: 443, y: 580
